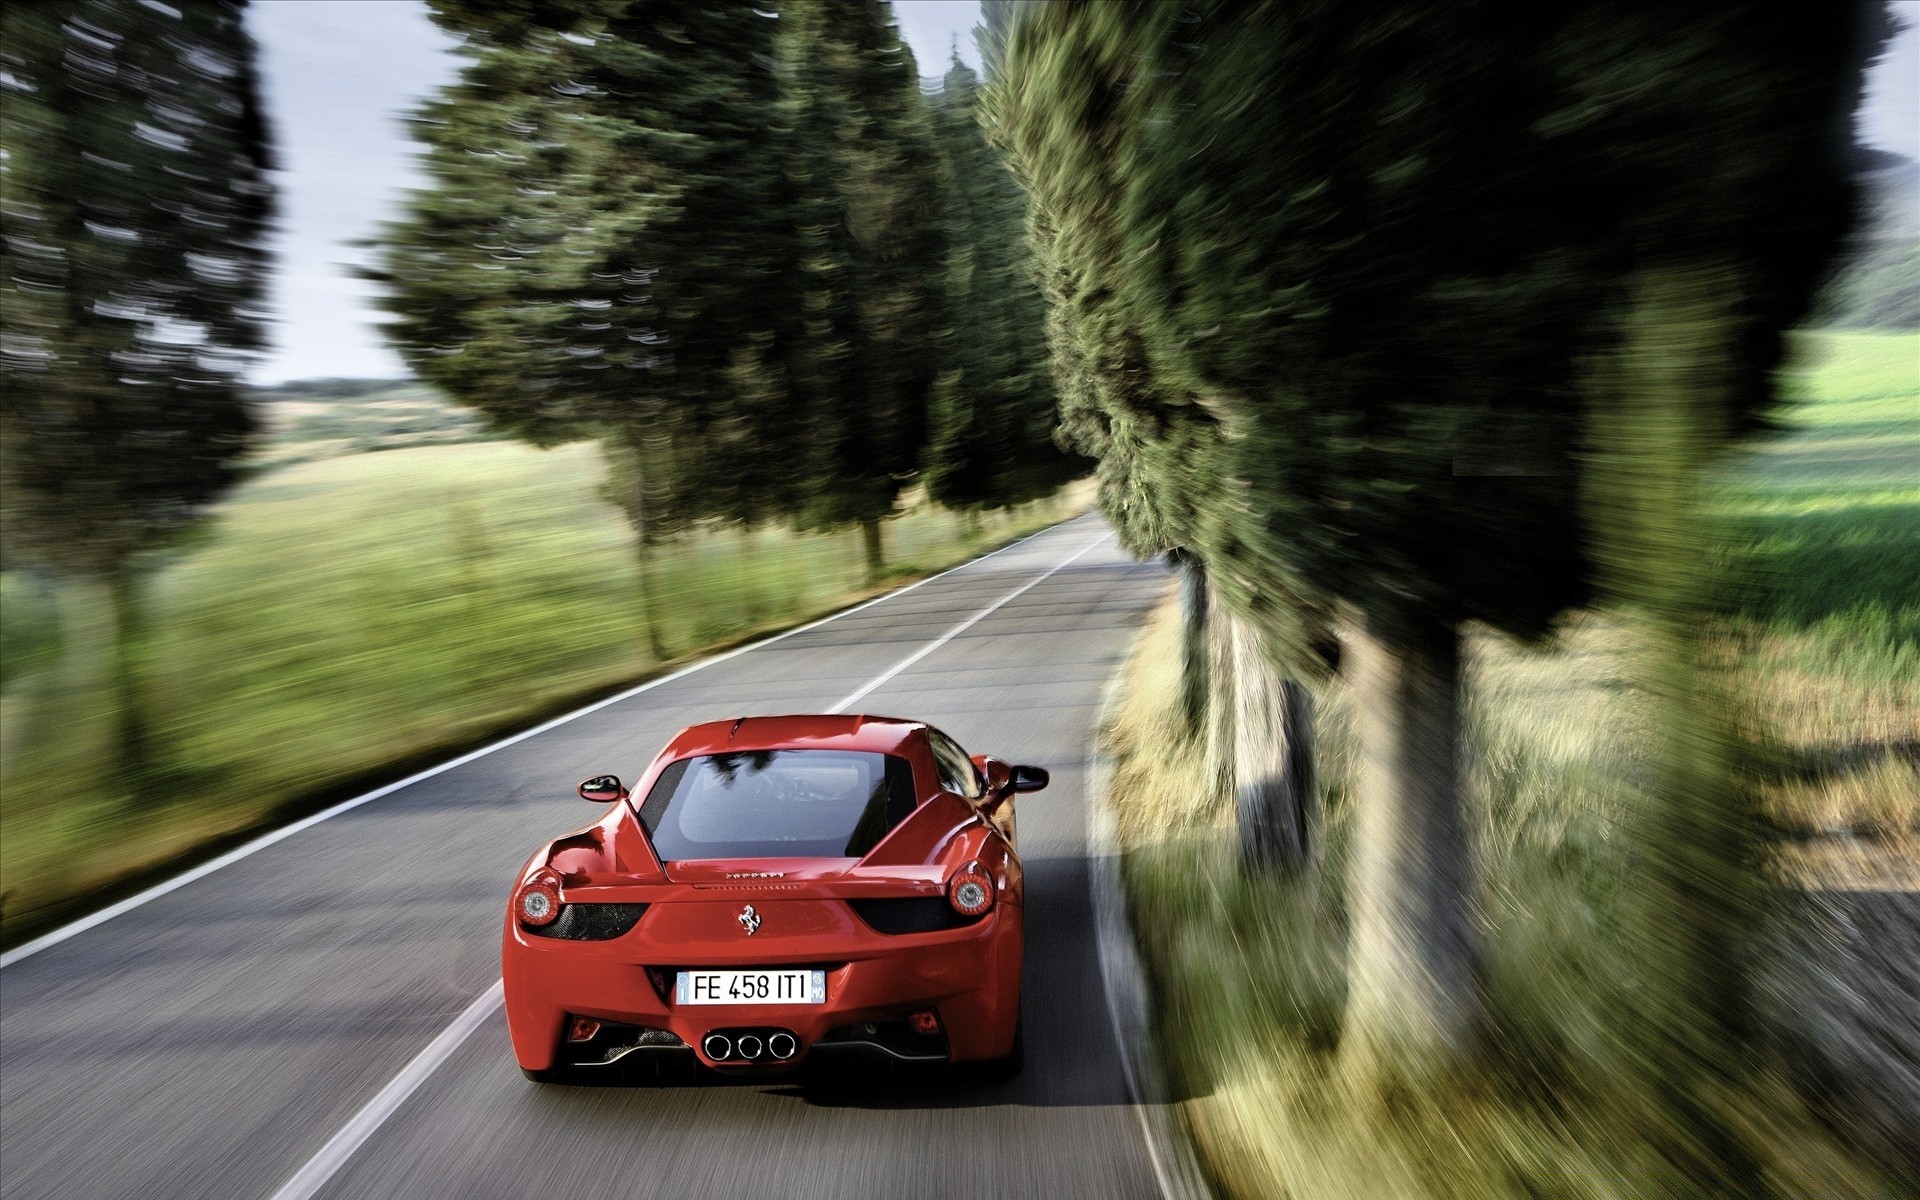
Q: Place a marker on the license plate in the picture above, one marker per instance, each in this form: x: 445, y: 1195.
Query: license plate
x: 750, y: 987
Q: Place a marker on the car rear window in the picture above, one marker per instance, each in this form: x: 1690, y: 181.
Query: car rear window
x: 777, y: 804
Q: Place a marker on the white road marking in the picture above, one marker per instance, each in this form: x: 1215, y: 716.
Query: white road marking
x: 310, y: 1178
x: 27, y: 949
x: 340, y: 1147
x: 959, y: 629
x: 1122, y: 977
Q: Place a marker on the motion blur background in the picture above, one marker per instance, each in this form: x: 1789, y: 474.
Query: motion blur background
x: 1521, y: 792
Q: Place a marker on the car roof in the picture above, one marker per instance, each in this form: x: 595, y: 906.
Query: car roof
x: 852, y: 731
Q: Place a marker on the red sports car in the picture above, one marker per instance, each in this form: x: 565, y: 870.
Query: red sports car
x: 777, y: 889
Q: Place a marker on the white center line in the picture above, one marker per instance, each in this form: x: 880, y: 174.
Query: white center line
x: 318, y: 1170
x: 340, y: 1147
x: 959, y: 629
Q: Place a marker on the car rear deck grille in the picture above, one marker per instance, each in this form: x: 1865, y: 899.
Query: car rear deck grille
x: 749, y: 886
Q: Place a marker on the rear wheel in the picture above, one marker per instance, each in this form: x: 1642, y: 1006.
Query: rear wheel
x: 1001, y: 1070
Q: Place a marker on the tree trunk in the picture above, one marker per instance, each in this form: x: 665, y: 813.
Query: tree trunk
x: 627, y: 456
x: 1696, y: 838
x: 1692, y: 911
x: 75, y: 714
x: 1275, y: 791
x: 126, y: 589
x: 649, y: 612
x: 467, y: 533
x: 1221, y: 673
x: 876, y: 550
x: 1413, y: 961
x: 46, y: 679
x: 1194, y: 651
x: 1302, y: 767
x: 750, y: 593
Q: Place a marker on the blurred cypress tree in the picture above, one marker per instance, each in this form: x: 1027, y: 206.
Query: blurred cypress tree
x: 607, y: 250
x: 1405, y: 260
x: 1166, y: 475
x: 991, y: 437
x: 136, y: 203
x: 706, y: 235
x: 870, y: 191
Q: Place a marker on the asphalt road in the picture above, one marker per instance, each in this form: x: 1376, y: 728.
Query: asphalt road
x: 216, y: 1041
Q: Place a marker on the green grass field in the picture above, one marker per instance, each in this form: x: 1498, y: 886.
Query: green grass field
x: 350, y: 613
x: 1823, y: 531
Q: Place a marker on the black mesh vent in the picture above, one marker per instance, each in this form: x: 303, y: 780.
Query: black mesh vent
x: 918, y: 914
x: 590, y: 922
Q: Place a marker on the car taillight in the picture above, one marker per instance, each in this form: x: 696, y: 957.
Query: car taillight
x: 970, y: 891
x: 538, y: 901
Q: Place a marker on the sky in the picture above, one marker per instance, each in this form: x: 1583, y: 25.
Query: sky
x: 340, y: 76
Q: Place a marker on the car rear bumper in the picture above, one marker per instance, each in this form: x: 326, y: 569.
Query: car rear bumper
x: 970, y: 977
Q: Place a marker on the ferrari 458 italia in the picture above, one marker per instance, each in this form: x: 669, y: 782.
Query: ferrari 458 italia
x: 774, y: 890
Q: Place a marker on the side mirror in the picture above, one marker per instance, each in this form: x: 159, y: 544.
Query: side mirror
x: 993, y: 773
x: 603, y: 789
x: 1029, y: 779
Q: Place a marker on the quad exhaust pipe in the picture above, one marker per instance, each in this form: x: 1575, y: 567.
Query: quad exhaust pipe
x: 749, y: 1045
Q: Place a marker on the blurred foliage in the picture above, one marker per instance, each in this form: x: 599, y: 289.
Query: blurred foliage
x: 1393, y: 327
x: 135, y: 202
x: 29, y: 622
x: 606, y: 244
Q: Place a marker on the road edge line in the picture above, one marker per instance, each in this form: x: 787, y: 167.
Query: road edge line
x: 119, y: 908
x: 1176, y: 1170
x: 880, y: 680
